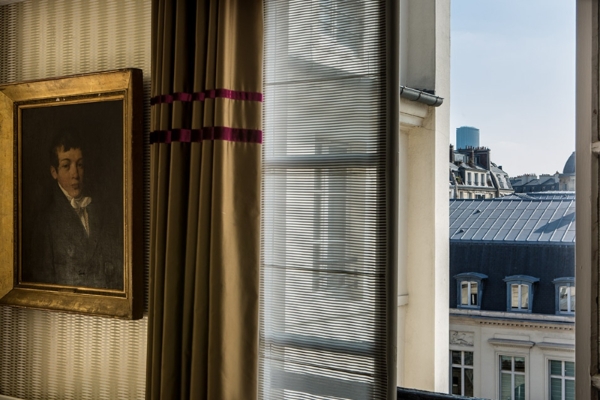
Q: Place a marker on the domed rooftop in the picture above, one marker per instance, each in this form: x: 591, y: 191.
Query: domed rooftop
x: 570, y: 165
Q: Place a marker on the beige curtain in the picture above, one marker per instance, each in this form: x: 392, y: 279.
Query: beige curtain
x: 205, y: 204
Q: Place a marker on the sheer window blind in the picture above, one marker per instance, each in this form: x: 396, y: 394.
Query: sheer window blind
x: 323, y: 300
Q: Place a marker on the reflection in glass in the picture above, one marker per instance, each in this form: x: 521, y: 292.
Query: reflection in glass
x: 456, y: 381
x: 524, y: 297
x: 506, y: 363
x: 468, y: 382
x: 569, y: 368
x: 456, y: 357
x: 468, y: 358
x: 514, y: 298
x: 464, y: 298
x: 569, y: 389
x: 555, y: 389
x: 505, y: 386
x: 519, y: 364
x: 566, y: 298
x: 555, y: 367
x: 473, y: 293
x: 519, y: 387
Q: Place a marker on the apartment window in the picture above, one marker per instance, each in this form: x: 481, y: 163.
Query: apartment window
x: 470, y: 288
x: 562, y: 380
x: 340, y: 23
x: 500, y: 181
x: 519, y: 292
x: 476, y: 179
x: 461, y: 370
x: 565, y: 295
x: 324, y: 211
x: 512, y: 378
x: 468, y: 178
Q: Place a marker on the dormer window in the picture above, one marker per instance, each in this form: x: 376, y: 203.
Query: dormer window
x: 470, y: 289
x: 565, y: 295
x: 519, y: 292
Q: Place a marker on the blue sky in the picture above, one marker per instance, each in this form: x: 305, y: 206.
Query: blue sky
x: 513, y: 77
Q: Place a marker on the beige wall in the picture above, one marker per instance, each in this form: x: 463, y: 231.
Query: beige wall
x: 48, y: 354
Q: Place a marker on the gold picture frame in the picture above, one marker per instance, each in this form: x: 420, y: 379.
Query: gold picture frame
x: 71, y: 204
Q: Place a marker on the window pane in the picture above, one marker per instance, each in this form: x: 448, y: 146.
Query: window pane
x: 572, y: 289
x: 514, y: 302
x: 473, y: 293
x: 563, y: 299
x: 456, y: 382
x: 464, y: 293
x: 456, y: 357
x: 524, y: 297
x: 505, y: 387
x: 555, y: 367
x: 569, y: 368
x: 519, y: 387
x: 506, y: 363
x: 519, y: 364
x: 468, y: 358
x: 468, y: 382
x: 569, y: 389
x: 555, y: 389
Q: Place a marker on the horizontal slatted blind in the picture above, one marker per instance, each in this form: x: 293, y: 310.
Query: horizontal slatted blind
x: 324, y: 199
x: 46, y: 354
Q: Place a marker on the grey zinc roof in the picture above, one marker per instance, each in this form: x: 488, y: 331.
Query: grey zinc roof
x: 497, y: 170
x: 513, y: 221
x: 471, y: 167
x: 553, y: 195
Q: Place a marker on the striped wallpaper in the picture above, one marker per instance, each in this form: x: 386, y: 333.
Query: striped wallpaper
x: 49, y: 354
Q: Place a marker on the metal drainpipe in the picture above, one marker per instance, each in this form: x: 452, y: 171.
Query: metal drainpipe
x: 420, y: 96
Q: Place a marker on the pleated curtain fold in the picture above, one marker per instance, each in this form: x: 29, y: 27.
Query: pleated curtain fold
x: 205, y: 199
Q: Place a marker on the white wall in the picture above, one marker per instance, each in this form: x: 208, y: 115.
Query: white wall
x: 539, y: 341
x: 424, y: 247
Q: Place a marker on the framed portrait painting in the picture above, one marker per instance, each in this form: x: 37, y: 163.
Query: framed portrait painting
x: 71, y: 205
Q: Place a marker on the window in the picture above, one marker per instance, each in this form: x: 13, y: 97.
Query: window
x: 476, y: 179
x: 340, y: 23
x: 565, y: 295
x: 562, y: 380
x: 500, y: 181
x: 470, y: 288
x: 324, y: 220
x: 468, y: 178
x: 512, y: 378
x: 461, y: 370
x: 519, y: 292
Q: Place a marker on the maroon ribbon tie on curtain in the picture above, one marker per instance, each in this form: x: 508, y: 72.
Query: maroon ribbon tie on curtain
x: 206, y: 133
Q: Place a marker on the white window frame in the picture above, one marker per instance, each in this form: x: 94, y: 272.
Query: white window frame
x: 559, y: 283
x: 462, y: 367
x: 562, y: 377
x: 470, y: 277
x: 512, y: 373
x: 521, y: 281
